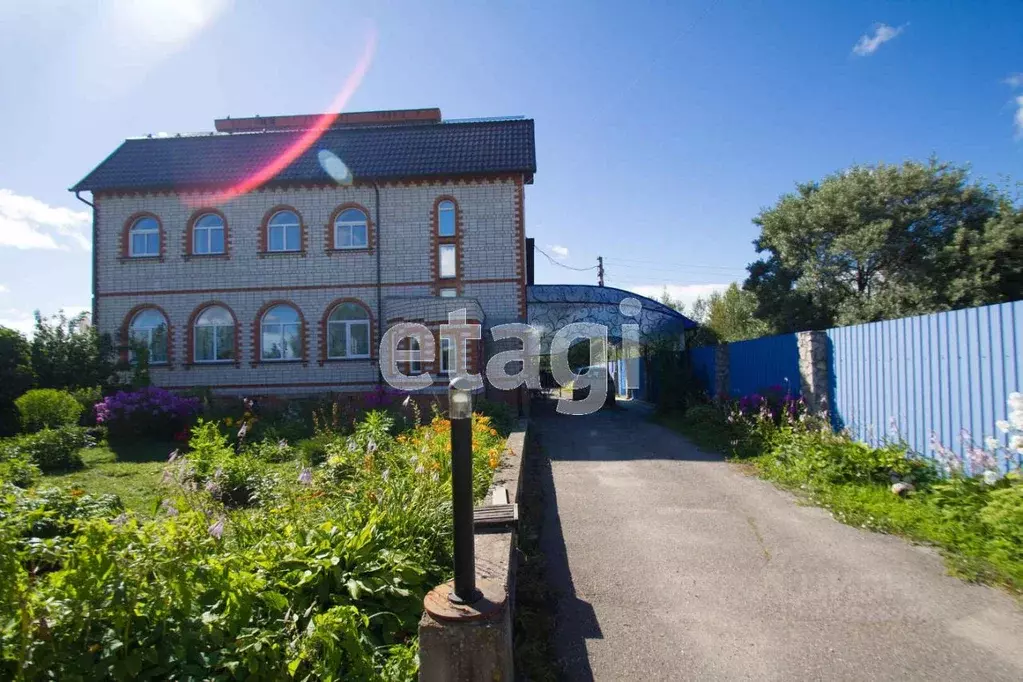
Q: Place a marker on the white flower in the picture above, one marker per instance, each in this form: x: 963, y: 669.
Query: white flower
x: 1003, y: 426
x: 1016, y: 443
x: 991, y: 477
x: 1016, y: 401
x: 1016, y: 419
x: 991, y: 442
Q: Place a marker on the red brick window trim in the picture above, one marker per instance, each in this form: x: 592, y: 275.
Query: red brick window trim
x: 353, y: 226
x: 204, y: 215
x: 257, y: 335
x: 191, y: 340
x: 278, y: 220
x: 124, y: 350
x: 142, y: 220
x: 342, y: 327
x: 445, y: 212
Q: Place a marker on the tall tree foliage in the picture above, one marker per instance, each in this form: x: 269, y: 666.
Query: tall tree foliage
x: 15, y: 376
x: 68, y: 353
x: 880, y: 242
x: 726, y: 316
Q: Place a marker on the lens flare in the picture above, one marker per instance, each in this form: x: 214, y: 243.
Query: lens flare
x: 308, y: 137
x: 334, y: 167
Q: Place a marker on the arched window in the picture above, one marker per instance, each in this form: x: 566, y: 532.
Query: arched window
x: 348, y: 332
x: 208, y: 234
x: 351, y: 230
x: 281, y: 334
x: 214, y: 335
x: 446, y: 218
x: 148, y: 329
x: 144, y: 238
x: 284, y: 232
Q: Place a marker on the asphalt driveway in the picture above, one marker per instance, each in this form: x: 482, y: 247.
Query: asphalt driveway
x: 671, y: 564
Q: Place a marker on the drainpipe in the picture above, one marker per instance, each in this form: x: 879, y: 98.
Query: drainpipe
x: 380, y: 289
x: 95, y: 256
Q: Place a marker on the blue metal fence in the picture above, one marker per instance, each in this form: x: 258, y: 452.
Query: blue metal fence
x: 768, y: 362
x: 704, y: 361
x: 946, y: 374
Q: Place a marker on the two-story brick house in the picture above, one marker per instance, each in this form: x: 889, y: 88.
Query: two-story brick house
x: 269, y: 256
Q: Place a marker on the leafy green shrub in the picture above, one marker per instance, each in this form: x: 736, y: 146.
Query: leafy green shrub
x: 16, y: 376
x: 52, y: 511
x: 213, y: 465
x: 87, y: 397
x: 16, y: 467
x: 48, y: 408
x: 50, y: 449
x: 270, y: 450
x: 1002, y: 517
x: 313, y: 451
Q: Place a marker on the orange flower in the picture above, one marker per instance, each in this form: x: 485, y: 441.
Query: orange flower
x: 493, y: 432
x: 494, y: 460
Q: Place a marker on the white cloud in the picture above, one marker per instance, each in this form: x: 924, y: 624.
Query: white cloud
x: 1015, y: 80
x: 1018, y: 118
x: 27, y: 223
x: 560, y: 252
x: 4, y: 289
x: 868, y: 44
x: 687, y: 293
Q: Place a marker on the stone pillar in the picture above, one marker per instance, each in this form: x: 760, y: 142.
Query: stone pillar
x: 721, y: 376
x: 814, y: 371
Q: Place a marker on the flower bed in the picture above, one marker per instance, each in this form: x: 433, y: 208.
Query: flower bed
x: 320, y: 576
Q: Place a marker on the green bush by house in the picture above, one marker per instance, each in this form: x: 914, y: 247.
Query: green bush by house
x: 48, y: 408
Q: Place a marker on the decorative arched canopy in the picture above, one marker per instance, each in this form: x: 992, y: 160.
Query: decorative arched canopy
x: 552, y: 306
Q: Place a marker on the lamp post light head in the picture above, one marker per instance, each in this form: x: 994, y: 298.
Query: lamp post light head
x: 460, y: 398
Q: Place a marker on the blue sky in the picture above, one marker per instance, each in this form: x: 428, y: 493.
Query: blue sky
x: 661, y: 129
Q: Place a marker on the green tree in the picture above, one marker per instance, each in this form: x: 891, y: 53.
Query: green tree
x: 727, y: 316
x: 67, y: 353
x: 15, y: 376
x: 879, y: 242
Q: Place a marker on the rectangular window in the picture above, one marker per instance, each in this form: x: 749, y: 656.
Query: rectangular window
x: 448, y: 293
x: 208, y: 240
x: 445, y: 356
x: 285, y: 238
x: 351, y: 237
x: 446, y: 253
x: 145, y: 244
x: 358, y: 339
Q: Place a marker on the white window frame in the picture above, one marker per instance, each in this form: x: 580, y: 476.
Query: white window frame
x: 348, y: 325
x: 208, y: 231
x: 441, y: 248
x: 283, y: 227
x: 136, y: 229
x: 445, y: 206
x: 281, y: 334
x: 134, y: 330
x: 340, y: 225
x: 447, y: 347
x: 216, y: 339
x: 414, y: 364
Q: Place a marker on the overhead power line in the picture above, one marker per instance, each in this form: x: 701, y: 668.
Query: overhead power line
x: 562, y: 265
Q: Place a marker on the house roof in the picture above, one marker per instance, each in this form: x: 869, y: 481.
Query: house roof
x: 383, y: 152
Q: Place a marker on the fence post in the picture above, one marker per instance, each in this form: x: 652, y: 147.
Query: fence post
x: 814, y: 370
x: 721, y: 374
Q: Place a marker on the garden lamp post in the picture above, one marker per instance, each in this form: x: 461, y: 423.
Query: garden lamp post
x: 460, y: 413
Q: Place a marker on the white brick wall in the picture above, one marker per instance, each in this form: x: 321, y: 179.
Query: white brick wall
x: 311, y: 281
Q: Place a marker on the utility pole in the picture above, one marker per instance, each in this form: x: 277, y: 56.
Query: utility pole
x: 600, y: 271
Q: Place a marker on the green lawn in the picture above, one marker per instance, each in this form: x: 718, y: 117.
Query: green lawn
x: 131, y: 472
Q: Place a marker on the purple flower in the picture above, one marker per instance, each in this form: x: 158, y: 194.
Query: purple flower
x: 169, y: 508
x: 305, y: 477
x: 217, y: 528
